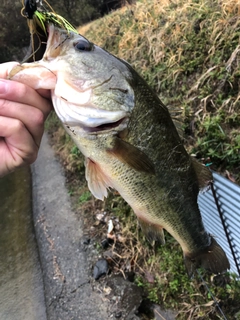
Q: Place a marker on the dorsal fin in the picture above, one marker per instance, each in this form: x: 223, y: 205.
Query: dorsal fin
x: 177, y: 118
x: 204, y: 175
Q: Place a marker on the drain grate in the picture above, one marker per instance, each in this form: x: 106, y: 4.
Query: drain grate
x: 220, y: 209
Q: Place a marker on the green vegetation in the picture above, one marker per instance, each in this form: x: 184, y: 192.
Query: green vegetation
x: 160, y: 270
x: 216, y: 142
x: 188, y: 51
x: 85, y: 196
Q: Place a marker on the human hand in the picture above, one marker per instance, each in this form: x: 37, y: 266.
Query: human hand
x: 23, y: 111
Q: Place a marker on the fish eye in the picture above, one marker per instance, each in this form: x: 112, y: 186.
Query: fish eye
x: 83, y: 45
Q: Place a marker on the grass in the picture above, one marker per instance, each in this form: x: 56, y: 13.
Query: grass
x: 188, y: 51
x: 85, y: 196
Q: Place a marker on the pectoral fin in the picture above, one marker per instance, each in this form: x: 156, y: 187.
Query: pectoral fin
x: 132, y: 156
x: 98, y: 182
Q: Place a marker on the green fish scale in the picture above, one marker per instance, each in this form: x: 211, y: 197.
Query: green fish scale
x: 169, y: 198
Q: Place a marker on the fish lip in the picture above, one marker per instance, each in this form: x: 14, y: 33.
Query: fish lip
x: 106, y: 127
x: 117, y: 126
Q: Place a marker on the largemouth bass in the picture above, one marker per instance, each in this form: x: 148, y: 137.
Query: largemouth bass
x: 128, y: 139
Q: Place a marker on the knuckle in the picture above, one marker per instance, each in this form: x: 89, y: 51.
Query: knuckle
x: 18, y: 124
x: 33, y: 156
x: 20, y: 89
x: 3, y: 105
x: 38, y: 118
x: 30, y: 155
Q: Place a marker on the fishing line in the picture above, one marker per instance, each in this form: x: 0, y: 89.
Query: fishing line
x: 212, y: 296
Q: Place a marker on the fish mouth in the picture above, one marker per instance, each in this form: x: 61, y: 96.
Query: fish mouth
x: 121, y: 123
x: 88, y: 118
x: 118, y: 126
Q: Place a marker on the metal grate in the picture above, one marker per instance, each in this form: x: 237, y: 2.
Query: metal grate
x: 220, y: 209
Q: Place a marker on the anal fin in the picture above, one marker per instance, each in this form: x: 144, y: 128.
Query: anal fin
x: 153, y: 232
x: 98, y: 182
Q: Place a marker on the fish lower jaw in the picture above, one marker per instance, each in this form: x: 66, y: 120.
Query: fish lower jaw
x: 105, y: 128
x: 89, y: 119
x: 117, y: 126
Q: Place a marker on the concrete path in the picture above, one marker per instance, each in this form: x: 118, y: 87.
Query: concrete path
x: 59, y: 233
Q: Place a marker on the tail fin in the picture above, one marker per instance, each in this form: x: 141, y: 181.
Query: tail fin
x: 213, y: 259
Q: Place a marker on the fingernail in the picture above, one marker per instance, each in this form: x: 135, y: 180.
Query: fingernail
x: 3, y: 86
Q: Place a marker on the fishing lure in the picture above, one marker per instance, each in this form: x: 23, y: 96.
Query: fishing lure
x: 37, y: 19
x: 40, y: 15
